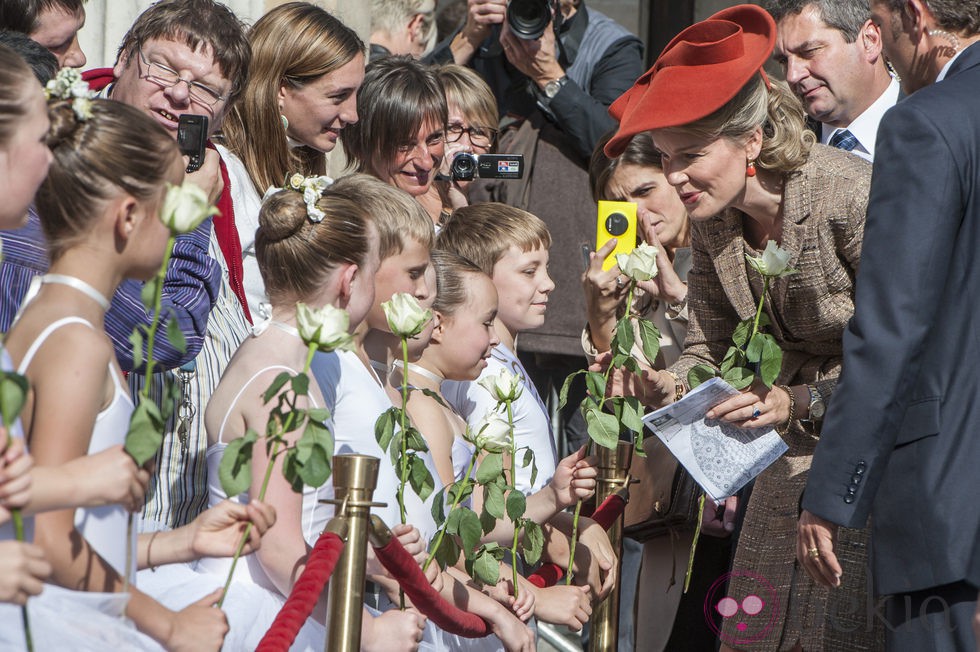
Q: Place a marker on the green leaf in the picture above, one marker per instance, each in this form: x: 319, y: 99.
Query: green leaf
x: 763, y: 320
x: 528, y: 458
x: 434, y: 396
x: 649, y: 341
x: 486, y: 568
x: 534, y: 465
x: 620, y: 359
x: 315, y: 470
x: 487, y: 521
x: 13, y: 394
x: 563, y: 394
x: 415, y: 440
x: 516, y: 505
x: 741, y: 334
x: 492, y: 466
x: 734, y: 357
x: 699, y: 374
x: 292, y: 470
x: 632, y: 414
x: 136, y: 341
x: 603, y: 427
x: 753, y: 352
x: 493, y: 500
x: 235, y: 468
x: 772, y: 360
x: 470, y: 531
x: 438, y: 508
x: 595, y: 383
x: 300, y: 384
x: 384, y: 427
x: 638, y: 444
x: 448, y: 553
x: 175, y: 336
x: 419, y: 477
x: 739, y: 377
x: 276, y: 385
x: 623, y: 338
x: 533, y: 542
x: 320, y: 415
x: 148, y: 293
x: 145, y: 432
x: 460, y: 491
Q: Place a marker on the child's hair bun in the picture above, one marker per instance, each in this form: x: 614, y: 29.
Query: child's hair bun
x: 282, y: 216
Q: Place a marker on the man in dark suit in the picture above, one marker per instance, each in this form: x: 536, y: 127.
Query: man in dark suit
x: 901, y: 440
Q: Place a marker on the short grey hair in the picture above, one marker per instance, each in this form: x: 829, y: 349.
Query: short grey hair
x: 846, y: 16
x: 389, y: 16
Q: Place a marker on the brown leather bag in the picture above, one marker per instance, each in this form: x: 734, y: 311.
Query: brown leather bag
x: 665, y: 497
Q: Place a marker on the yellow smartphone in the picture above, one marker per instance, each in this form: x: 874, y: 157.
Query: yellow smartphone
x: 616, y: 219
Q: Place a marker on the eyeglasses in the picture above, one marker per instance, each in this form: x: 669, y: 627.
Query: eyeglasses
x: 479, y: 136
x: 165, y: 77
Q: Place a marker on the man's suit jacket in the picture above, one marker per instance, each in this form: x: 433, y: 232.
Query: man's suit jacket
x: 902, y: 437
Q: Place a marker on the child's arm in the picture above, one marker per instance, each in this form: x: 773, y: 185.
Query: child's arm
x: 594, y: 549
x: 514, y: 634
x: 109, y: 477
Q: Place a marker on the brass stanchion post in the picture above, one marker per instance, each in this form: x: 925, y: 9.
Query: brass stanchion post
x: 354, y: 479
x: 613, y: 466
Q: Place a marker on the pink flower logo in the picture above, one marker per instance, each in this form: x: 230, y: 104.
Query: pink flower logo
x: 754, y: 613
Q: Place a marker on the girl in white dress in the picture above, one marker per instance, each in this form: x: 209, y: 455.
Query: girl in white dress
x: 99, y: 208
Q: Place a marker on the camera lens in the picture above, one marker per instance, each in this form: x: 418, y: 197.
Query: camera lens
x: 529, y: 18
x: 617, y: 224
x: 463, y: 167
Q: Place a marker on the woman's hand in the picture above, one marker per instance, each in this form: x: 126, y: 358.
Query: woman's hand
x: 757, y: 406
x: 666, y: 285
x: 15, y: 476
x: 217, y: 531
x: 199, y: 626
x: 718, y: 519
x: 603, y: 296
x: 574, y: 479
x: 599, y: 555
x: 392, y: 631
x: 110, y: 477
x: 23, y: 570
x: 564, y: 605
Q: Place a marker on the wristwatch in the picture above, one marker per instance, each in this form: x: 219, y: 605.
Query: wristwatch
x: 551, y: 88
x: 817, y: 406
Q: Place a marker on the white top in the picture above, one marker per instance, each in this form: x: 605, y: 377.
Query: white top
x: 103, y: 527
x: 532, y: 427
x: 247, y: 202
x: 355, y: 398
x: 865, y: 126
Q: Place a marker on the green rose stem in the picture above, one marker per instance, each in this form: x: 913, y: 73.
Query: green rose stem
x: 288, y: 426
x: 513, y: 484
x: 758, y: 310
x: 588, y: 444
x: 403, y: 460
x: 145, y: 390
x: 456, y: 500
x: 18, y: 520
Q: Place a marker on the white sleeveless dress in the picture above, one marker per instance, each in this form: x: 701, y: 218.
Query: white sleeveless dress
x: 252, y: 602
x: 86, y: 621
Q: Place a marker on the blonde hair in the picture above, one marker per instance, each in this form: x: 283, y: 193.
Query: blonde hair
x: 296, y: 255
x: 294, y: 44
x: 396, y: 214
x: 15, y: 82
x: 119, y: 149
x: 483, y: 233
x: 450, y: 269
x: 467, y: 91
x: 786, y: 141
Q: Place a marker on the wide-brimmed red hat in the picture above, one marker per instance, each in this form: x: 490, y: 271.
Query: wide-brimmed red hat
x: 700, y: 70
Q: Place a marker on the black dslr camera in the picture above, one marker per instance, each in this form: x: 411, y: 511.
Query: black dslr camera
x: 466, y: 167
x: 528, y: 19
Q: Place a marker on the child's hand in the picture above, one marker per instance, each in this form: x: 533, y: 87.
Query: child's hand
x: 23, y: 570
x: 411, y: 539
x: 110, y: 477
x: 523, y: 604
x: 217, y: 531
x: 564, y: 605
x: 515, y: 635
x: 393, y: 631
x: 198, y: 626
x: 15, y: 477
x: 574, y: 479
x: 598, y: 553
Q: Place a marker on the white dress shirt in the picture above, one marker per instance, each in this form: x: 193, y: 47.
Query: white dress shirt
x: 865, y: 126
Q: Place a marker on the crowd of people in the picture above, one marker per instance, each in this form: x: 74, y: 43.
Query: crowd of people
x: 862, y: 166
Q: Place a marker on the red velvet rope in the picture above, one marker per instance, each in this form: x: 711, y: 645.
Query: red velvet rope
x: 306, y: 591
x: 406, y: 570
x: 605, y: 515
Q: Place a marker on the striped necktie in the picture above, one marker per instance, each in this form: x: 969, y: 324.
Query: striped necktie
x: 844, y: 140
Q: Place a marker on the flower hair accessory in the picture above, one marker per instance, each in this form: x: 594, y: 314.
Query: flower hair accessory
x: 69, y: 85
x: 312, y: 189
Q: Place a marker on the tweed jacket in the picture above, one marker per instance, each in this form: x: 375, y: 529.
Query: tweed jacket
x: 823, y: 222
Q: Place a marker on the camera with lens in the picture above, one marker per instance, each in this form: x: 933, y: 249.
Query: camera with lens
x: 528, y: 19
x: 466, y: 167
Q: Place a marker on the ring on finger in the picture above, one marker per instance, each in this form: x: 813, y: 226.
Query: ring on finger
x: 814, y: 553
x: 620, y: 281
x: 756, y: 412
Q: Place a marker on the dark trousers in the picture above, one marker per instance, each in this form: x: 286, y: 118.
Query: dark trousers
x: 932, y: 620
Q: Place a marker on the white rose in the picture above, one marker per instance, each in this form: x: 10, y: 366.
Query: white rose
x: 296, y: 181
x: 773, y: 263
x: 406, y: 317
x: 327, y: 327
x: 503, y: 386
x: 493, y: 433
x: 185, y: 207
x: 640, y: 264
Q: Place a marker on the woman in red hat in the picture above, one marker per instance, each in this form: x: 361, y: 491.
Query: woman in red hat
x: 736, y: 150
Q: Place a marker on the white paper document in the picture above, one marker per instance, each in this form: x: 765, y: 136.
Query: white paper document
x: 720, y: 457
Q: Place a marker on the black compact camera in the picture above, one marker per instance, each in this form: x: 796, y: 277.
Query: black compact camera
x: 466, y: 167
x: 528, y: 19
x: 192, y: 138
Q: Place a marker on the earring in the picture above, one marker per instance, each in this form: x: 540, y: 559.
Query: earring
x: 285, y: 122
x: 750, y: 169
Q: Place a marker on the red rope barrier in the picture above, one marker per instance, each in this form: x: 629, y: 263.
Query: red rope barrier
x: 306, y: 591
x: 605, y: 515
x: 406, y: 570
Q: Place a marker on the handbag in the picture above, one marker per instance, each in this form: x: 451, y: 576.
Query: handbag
x: 664, y: 498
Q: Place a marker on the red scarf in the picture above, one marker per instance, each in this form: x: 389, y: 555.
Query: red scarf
x: 224, y: 224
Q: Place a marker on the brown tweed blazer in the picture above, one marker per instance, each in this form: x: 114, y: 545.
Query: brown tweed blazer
x: 823, y: 210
